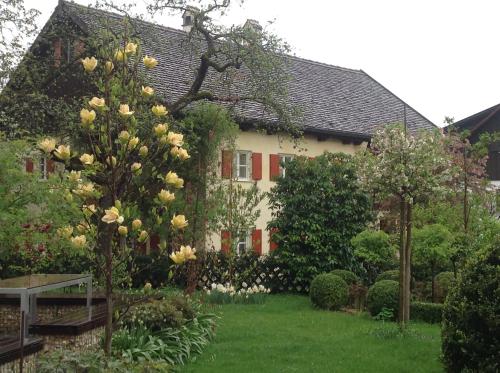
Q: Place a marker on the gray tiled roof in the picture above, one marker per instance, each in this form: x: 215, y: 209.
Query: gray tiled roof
x: 334, y: 100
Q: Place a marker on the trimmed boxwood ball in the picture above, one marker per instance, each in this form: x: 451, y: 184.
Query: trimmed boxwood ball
x: 471, y: 322
x: 348, y: 276
x: 329, y: 291
x: 383, y: 294
x: 393, y: 275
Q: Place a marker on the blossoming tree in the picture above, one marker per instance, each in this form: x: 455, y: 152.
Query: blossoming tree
x: 123, y: 173
x: 411, y: 167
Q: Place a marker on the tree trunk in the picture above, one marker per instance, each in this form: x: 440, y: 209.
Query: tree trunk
x: 433, y: 284
x: 408, y: 262
x: 402, y: 262
x: 108, y: 331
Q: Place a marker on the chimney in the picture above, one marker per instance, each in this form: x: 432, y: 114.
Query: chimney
x: 252, y: 24
x: 188, y: 17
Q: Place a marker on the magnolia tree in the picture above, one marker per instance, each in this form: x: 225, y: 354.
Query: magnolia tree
x: 411, y: 167
x: 124, y: 176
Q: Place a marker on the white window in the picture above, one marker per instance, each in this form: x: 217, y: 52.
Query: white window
x: 244, y: 243
x: 242, y: 163
x: 284, y: 158
x: 43, y: 168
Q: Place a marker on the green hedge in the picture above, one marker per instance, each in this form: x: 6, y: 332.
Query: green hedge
x: 383, y: 294
x: 428, y: 312
x: 443, y: 282
x: 392, y: 275
x: 329, y: 291
x: 348, y: 276
x: 471, y: 323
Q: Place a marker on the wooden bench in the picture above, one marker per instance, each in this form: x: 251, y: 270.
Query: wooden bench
x: 10, y: 348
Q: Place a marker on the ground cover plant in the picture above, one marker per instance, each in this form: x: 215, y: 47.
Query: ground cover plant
x: 286, y: 334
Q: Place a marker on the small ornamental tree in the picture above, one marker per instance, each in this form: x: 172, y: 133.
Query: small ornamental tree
x: 411, y: 167
x: 123, y: 176
x: 317, y: 208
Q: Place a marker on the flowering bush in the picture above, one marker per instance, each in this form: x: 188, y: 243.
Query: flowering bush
x: 223, y: 294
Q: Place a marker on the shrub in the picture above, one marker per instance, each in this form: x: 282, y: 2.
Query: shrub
x: 375, y: 251
x: 383, y: 294
x: 392, y: 275
x: 428, y: 312
x: 444, y: 281
x: 471, y: 326
x: 153, y: 315
x: 349, y: 277
x: 314, y: 230
x: 329, y: 291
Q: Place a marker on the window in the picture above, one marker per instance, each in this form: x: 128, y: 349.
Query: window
x: 284, y: 158
x: 43, y: 168
x: 244, y: 243
x: 242, y: 165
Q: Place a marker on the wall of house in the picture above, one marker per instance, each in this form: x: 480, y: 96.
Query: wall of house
x: 257, y: 142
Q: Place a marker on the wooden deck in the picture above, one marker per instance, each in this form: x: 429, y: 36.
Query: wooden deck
x: 10, y: 348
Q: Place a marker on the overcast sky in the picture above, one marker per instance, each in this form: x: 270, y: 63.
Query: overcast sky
x: 440, y: 56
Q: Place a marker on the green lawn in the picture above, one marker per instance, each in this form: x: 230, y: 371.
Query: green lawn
x: 287, y: 335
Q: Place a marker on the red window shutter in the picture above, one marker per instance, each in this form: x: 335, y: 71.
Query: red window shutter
x: 272, y: 245
x: 227, y: 164
x: 274, y: 166
x: 29, y: 165
x: 225, y: 241
x: 57, y: 45
x: 257, y: 240
x: 257, y: 166
x: 50, y: 166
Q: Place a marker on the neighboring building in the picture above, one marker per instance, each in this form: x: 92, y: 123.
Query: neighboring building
x: 486, y: 121
x: 342, y: 107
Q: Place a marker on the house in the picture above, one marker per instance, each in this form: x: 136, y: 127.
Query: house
x: 486, y: 121
x: 341, y: 107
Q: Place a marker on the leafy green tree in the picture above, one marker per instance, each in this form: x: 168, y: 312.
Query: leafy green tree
x: 432, y: 249
x: 411, y: 167
x: 317, y: 208
x: 375, y: 251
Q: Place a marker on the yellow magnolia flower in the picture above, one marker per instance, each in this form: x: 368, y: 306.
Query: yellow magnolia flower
x: 125, y: 111
x: 85, y: 190
x: 150, y: 62
x: 183, y: 154
x: 109, y: 66
x: 177, y: 257
x: 175, y: 139
x: 161, y: 129
x: 159, y: 110
x: 179, y: 222
x: 89, y: 64
x: 65, y: 232
x: 147, y: 287
x: 119, y: 56
x: 82, y: 227
x: 87, y: 159
x: 87, y: 116
x: 136, y: 167
x: 175, y: 151
x: 147, y: 91
x: 112, y: 215
x: 122, y: 230
x: 97, y: 103
x: 142, y: 236
x: 88, y: 210
x: 188, y: 252
x: 131, y: 48
x: 63, y: 152
x: 79, y: 242
x: 143, y: 151
x: 75, y: 176
x: 124, y: 136
x: 172, y: 179
x: 134, y: 141
x: 112, y: 162
x: 47, y: 145
x: 165, y: 196
x: 136, y: 224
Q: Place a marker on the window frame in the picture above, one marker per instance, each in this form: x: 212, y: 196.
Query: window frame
x: 237, y: 165
x: 283, y: 160
x: 244, y: 239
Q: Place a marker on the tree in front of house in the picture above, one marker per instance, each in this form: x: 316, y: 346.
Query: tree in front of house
x: 410, y: 167
x: 317, y: 208
x: 124, y: 175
